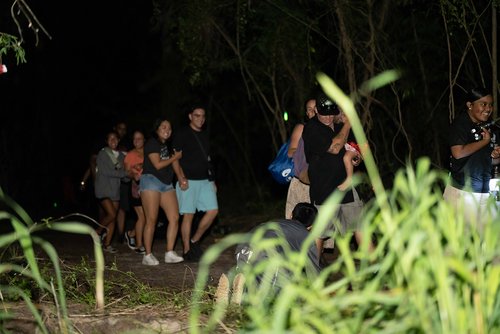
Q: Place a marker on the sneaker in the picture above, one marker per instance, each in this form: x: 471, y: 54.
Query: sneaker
x: 190, y: 256
x: 150, y: 260
x: 102, y: 236
x: 109, y: 249
x: 141, y: 250
x: 130, y: 241
x: 195, y: 248
x: 172, y: 257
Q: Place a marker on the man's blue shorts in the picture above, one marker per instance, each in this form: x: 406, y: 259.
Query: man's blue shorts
x: 200, y: 195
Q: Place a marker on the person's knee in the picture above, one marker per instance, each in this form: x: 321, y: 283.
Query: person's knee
x: 173, y: 219
x: 112, y: 216
x: 212, y: 213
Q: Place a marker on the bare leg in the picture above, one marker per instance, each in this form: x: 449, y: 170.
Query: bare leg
x: 120, y: 220
x: 187, y: 222
x: 171, y: 208
x: 139, y: 226
x: 319, y: 247
x: 359, y: 239
x: 205, y: 222
x: 109, y: 220
x: 151, y: 204
x: 101, y: 215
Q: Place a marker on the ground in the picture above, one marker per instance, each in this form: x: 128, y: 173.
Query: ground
x: 177, y: 278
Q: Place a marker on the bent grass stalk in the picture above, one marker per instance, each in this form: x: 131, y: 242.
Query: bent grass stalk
x: 24, y: 228
x: 430, y: 272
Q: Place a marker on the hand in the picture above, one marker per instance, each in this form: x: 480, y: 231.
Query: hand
x: 341, y: 118
x: 486, y: 134
x: 495, y: 154
x: 177, y: 155
x: 356, y: 160
x: 183, y: 183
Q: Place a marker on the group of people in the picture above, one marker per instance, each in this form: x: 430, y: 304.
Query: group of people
x: 325, y: 154
x: 175, y: 175
x: 168, y: 171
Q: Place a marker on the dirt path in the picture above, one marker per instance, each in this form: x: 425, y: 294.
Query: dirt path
x: 180, y: 277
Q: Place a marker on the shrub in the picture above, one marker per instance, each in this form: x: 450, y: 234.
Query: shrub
x: 430, y: 272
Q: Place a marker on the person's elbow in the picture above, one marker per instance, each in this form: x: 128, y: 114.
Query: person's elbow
x: 458, y: 152
x: 334, y: 150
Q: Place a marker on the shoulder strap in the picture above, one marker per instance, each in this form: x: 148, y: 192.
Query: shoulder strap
x: 201, y: 146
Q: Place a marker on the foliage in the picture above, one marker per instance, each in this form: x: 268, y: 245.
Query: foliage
x: 16, y: 272
x: 11, y: 43
x: 20, y: 10
x: 430, y: 271
x: 255, y: 60
x: 121, y: 289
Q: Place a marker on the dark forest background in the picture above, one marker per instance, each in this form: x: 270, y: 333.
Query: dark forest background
x: 250, y: 62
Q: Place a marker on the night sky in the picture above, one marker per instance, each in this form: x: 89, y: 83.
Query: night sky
x: 56, y: 108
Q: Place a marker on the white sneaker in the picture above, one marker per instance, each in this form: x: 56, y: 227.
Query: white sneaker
x: 172, y: 257
x: 150, y: 260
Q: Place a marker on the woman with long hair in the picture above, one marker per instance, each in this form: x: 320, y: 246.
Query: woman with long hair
x: 473, y: 153
x: 133, y: 164
x: 109, y: 173
x: 157, y: 191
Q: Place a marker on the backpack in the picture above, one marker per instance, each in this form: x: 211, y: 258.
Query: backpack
x: 282, y: 166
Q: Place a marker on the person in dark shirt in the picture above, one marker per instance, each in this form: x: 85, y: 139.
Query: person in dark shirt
x: 196, y: 190
x: 473, y: 153
x: 294, y: 231
x: 157, y: 190
x: 325, y: 136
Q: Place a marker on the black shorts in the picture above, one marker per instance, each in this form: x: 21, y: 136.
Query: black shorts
x: 125, y: 196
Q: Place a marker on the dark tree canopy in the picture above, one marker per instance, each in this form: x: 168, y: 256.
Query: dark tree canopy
x: 250, y: 63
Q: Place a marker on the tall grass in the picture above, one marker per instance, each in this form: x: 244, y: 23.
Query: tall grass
x: 24, y: 234
x: 430, y: 272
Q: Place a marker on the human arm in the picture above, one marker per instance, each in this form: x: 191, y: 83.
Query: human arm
x: 91, y: 170
x: 465, y: 150
x: 85, y: 177
x: 183, y: 181
x: 133, y: 165
x: 158, y: 163
x: 294, y: 139
x: 340, y: 139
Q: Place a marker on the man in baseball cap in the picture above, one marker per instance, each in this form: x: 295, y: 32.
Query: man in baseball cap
x: 324, y: 138
x: 325, y: 106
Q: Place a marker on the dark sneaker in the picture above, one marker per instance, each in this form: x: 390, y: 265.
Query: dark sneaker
x: 130, y: 241
x: 190, y: 256
x: 102, y: 236
x: 195, y: 248
x: 141, y: 250
x: 109, y: 249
